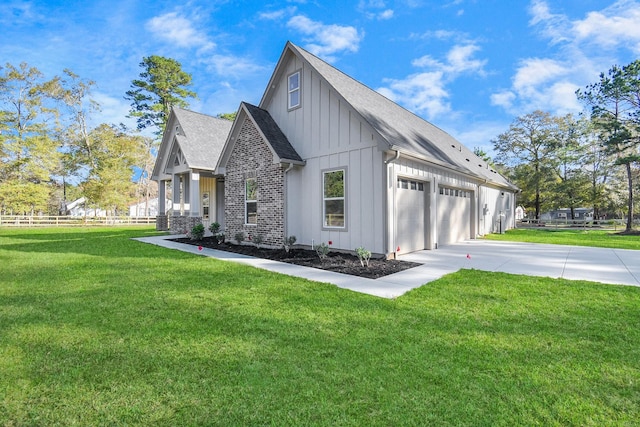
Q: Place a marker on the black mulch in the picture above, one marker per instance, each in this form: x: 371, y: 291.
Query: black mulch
x: 335, y: 261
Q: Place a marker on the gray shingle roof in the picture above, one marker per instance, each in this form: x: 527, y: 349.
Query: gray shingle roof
x: 202, y: 138
x: 269, y: 128
x: 400, y: 128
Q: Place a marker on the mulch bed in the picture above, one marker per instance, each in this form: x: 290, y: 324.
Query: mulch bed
x: 335, y: 261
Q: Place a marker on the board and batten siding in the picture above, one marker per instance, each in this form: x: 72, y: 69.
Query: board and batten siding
x: 491, y: 202
x: 328, y: 134
x: 208, y: 185
x: 324, y: 124
x: 364, y: 201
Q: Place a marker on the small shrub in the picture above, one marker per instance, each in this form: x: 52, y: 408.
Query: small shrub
x: 322, y: 250
x: 214, y: 228
x: 258, y: 239
x: 364, y: 256
x: 288, y: 242
x: 239, y: 237
x: 197, y: 232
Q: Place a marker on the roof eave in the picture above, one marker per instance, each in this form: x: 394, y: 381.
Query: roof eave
x: 443, y: 165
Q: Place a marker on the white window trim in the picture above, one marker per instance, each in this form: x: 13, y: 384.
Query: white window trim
x: 297, y: 89
x: 246, y: 201
x: 344, y: 198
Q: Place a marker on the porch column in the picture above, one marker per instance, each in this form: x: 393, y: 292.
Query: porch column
x: 162, y: 209
x: 177, y: 203
x: 194, y: 194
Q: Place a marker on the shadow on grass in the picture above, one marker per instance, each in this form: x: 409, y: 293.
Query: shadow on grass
x: 114, y: 242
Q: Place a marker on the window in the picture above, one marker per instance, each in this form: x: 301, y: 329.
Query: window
x: 293, y: 89
x: 251, y: 201
x: 333, y: 192
x: 205, y: 205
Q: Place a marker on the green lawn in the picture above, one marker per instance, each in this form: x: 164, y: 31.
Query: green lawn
x: 97, y: 329
x: 568, y: 236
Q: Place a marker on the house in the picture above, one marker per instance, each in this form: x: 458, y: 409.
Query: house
x: 78, y: 208
x: 326, y: 159
x: 565, y: 214
x: 190, y: 147
x: 148, y: 208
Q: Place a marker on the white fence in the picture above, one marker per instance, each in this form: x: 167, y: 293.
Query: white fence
x: 613, y: 224
x: 70, y: 221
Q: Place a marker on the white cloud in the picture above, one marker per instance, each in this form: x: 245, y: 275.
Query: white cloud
x: 276, y: 15
x: 535, y: 71
x: 544, y: 84
x: 231, y: 66
x: 503, y: 99
x: 421, y: 92
x: 612, y: 27
x: 375, y: 9
x: 326, y: 40
x: 178, y: 30
x: 426, y: 92
x: 385, y: 14
x: 584, y: 48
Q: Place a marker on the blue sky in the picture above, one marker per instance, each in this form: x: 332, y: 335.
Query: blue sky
x: 468, y: 66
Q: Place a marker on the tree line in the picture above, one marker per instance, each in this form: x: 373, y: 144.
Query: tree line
x: 586, y: 161
x: 51, y: 153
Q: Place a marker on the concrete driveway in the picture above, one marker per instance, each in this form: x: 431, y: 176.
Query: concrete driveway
x: 615, y: 266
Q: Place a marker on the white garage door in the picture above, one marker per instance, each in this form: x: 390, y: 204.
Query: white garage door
x: 454, y: 215
x: 410, y: 215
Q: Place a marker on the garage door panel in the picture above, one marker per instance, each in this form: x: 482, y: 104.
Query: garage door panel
x: 410, y: 215
x: 454, y: 215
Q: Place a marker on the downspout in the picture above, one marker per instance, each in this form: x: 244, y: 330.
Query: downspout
x: 390, y: 224
x: 396, y: 157
x: 284, y: 202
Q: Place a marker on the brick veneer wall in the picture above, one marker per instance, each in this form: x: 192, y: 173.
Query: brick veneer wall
x: 251, y: 157
x: 162, y: 223
x: 183, y: 224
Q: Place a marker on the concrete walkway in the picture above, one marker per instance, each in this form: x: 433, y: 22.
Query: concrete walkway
x: 615, y: 266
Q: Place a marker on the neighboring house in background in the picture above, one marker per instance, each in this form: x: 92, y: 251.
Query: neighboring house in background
x: 190, y: 147
x: 78, y: 208
x: 565, y: 213
x: 521, y: 213
x: 149, y: 208
x: 325, y: 158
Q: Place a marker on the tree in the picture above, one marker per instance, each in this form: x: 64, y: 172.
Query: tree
x: 615, y: 111
x: 28, y: 153
x: 146, y: 188
x: 571, y: 189
x: 599, y: 168
x: 161, y: 86
x: 482, y: 154
x: 110, y: 167
x: 73, y: 94
x: 531, y: 141
x: 227, y: 116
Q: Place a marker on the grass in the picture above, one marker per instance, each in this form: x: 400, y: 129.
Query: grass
x: 97, y: 329
x: 577, y: 237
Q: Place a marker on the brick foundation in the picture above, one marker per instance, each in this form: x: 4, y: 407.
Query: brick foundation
x: 183, y: 224
x: 162, y: 223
